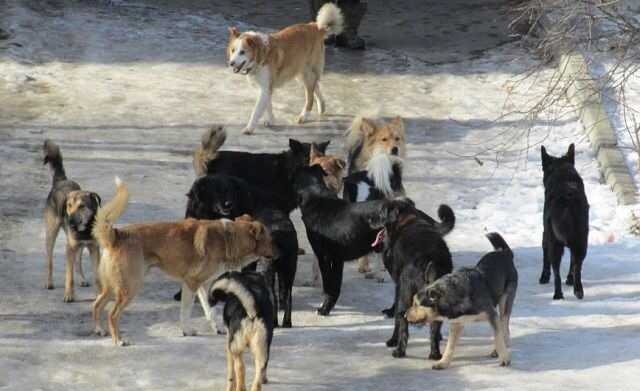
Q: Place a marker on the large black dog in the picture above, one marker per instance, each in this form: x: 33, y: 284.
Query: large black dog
x: 337, y: 230
x: 223, y: 196
x: 566, y: 220
x: 413, y: 244
x: 272, y: 171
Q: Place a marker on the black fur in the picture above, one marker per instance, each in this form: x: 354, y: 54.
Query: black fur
x: 414, y: 243
x: 337, y: 230
x: 223, y: 196
x: 273, y: 171
x: 566, y: 220
x: 234, y: 312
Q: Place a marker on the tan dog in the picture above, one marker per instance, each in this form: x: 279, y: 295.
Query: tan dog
x: 192, y: 251
x: 271, y: 60
x: 72, y: 209
x: 332, y: 166
x: 367, y: 137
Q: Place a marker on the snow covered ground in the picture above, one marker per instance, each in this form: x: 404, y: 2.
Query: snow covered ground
x: 128, y: 91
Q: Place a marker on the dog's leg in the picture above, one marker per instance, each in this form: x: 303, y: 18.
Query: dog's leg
x: 545, y: 275
x: 556, y: 249
x: 285, y: 285
x: 363, y: 265
x: 270, y: 121
x: 210, y: 313
x: 577, y: 258
x: 309, y: 80
x: 83, y: 278
x: 230, y: 370
x: 68, y: 284
x: 96, y: 311
x: 331, y: 281
x: 258, y: 110
x: 260, y: 356
x: 186, y: 305
x: 114, y: 319
x: 436, y: 337
x: 455, y: 331
x: 94, y: 252
x: 499, y: 340
x: 53, y: 224
x: 320, y: 99
x: 238, y: 365
x: 393, y: 341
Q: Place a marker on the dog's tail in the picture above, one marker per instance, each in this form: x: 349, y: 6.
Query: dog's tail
x: 207, y: 151
x: 354, y: 140
x: 53, y: 157
x: 229, y: 285
x: 498, y: 243
x: 107, y: 215
x: 447, y: 219
x: 330, y: 19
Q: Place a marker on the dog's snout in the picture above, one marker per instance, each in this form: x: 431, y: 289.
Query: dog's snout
x: 394, y: 151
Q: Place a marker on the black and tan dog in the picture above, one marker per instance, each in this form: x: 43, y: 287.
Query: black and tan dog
x: 472, y: 294
x: 413, y: 244
x: 72, y: 209
x: 566, y: 220
x: 248, y: 318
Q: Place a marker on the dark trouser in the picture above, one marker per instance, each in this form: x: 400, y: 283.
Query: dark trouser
x: 353, y: 11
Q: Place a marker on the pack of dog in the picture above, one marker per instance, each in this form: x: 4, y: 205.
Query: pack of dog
x: 566, y: 220
x: 191, y: 251
x: 72, y: 209
x: 223, y: 196
x: 414, y: 244
x: 249, y: 323
x: 472, y: 294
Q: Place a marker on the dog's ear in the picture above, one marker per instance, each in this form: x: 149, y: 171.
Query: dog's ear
x: 322, y: 147
x: 296, y: 146
x: 546, y: 159
x: 341, y: 164
x: 571, y: 154
x: 244, y: 217
x: 398, y: 123
x: 431, y: 274
x: 96, y: 198
x: 233, y: 32
x: 368, y: 127
x: 314, y: 153
x: 257, y: 230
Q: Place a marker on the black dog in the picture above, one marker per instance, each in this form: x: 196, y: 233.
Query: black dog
x: 337, y: 229
x: 472, y: 294
x: 273, y: 171
x: 223, y: 196
x: 413, y: 245
x: 248, y: 317
x: 566, y: 220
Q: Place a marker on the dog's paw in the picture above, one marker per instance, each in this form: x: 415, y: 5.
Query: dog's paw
x: 578, y: 292
x: 435, y: 356
x: 49, y: 285
x: 440, y: 365
x: 189, y: 333
x: 397, y: 353
x: 302, y: 118
x: 69, y: 297
x: 323, y: 311
x: 392, y: 342
x: 84, y: 284
x: 544, y: 278
x: 569, y: 280
x: 558, y: 296
x: 286, y: 325
x: 388, y: 312
x: 493, y: 354
x: 248, y: 130
x: 268, y: 123
x: 505, y: 361
x: 123, y: 343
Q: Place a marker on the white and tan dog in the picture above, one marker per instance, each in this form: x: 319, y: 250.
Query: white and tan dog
x: 270, y: 60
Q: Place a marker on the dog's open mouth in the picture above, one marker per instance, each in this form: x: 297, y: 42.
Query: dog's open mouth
x: 379, y: 238
x: 238, y: 68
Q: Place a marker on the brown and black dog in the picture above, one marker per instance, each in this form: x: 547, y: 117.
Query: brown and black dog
x: 191, y: 251
x: 72, y: 209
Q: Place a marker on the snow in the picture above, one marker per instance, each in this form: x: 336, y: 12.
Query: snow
x: 130, y: 101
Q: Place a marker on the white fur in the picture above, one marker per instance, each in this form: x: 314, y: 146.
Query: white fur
x: 363, y: 192
x: 263, y: 37
x: 261, y: 78
x: 380, y: 169
x: 245, y: 297
x: 330, y: 19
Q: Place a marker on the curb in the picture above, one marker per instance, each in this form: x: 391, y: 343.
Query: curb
x: 585, y: 96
